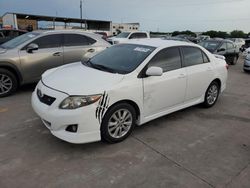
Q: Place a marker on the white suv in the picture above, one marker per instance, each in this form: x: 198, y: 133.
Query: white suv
x: 126, y: 84
x: 126, y: 36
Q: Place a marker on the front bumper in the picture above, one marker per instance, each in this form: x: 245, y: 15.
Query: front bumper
x: 57, y: 120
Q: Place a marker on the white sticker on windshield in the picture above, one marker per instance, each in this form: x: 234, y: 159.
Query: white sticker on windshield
x: 140, y: 49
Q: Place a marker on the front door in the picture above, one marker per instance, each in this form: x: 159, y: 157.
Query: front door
x: 166, y: 91
x: 48, y: 55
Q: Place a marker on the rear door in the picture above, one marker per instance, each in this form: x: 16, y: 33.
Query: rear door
x: 199, y: 72
x: 48, y: 55
x: 76, y: 46
x: 168, y: 90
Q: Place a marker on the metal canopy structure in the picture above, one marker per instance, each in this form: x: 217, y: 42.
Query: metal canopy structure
x: 91, y: 24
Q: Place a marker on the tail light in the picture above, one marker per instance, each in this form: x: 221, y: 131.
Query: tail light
x: 227, y: 66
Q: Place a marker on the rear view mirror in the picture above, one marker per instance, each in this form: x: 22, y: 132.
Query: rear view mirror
x: 154, y: 71
x: 31, y: 47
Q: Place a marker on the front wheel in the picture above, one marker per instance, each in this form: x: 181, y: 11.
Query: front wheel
x: 118, y: 123
x: 8, y: 83
x: 212, y: 94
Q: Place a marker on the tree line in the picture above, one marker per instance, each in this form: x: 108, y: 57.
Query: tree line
x: 212, y: 34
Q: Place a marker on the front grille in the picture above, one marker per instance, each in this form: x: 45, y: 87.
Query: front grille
x: 247, y: 66
x: 45, y: 98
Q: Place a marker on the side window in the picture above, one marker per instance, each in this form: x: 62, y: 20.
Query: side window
x: 230, y: 45
x: 168, y: 59
x: 224, y: 46
x: 141, y: 35
x: 205, y: 58
x: 77, y: 40
x: 133, y: 36
x: 192, y: 56
x: 49, y: 41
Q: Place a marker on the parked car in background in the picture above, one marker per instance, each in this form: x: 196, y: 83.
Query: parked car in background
x: 188, y: 37
x: 202, y: 37
x: 8, y: 34
x: 246, y: 52
x: 24, y: 58
x: 175, y: 38
x: 238, y: 41
x: 246, y: 66
x: 222, y: 47
x: 245, y: 47
x: 103, y: 34
x: 125, y: 36
x: 126, y: 84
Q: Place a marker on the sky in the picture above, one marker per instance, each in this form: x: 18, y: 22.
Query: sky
x: 153, y: 15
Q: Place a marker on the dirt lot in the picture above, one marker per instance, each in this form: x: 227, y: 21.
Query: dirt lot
x: 193, y: 148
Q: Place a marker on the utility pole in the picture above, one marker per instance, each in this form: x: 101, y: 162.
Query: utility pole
x: 81, y: 12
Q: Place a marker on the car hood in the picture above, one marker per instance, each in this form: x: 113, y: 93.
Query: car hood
x: 78, y: 79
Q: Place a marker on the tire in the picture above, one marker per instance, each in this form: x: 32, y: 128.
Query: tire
x: 211, y: 95
x: 8, y: 83
x: 235, y: 59
x: 112, y: 128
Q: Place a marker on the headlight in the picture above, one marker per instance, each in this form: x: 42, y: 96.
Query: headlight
x: 74, y: 102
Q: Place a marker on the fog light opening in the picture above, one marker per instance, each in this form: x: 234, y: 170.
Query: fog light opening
x: 72, y: 128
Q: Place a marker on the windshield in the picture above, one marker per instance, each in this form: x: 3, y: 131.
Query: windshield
x: 123, y: 35
x: 210, y: 45
x: 19, y: 40
x: 234, y: 40
x: 122, y: 59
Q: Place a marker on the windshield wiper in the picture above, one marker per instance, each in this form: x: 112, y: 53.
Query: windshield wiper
x: 103, y: 68
x: 97, y: 66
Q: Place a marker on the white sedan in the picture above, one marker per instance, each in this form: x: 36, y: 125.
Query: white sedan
x: 126, y: 85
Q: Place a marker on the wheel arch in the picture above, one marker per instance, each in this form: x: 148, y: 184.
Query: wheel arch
x: 12, y: 68
x: 132, y: 103
x: 218, y: 81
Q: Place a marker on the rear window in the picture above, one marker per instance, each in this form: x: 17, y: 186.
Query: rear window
x: 210, y: 45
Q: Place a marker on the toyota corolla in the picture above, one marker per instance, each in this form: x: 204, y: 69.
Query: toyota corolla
x: 129, y: 84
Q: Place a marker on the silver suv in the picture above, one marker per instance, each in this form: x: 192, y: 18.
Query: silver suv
x: 25, y: 58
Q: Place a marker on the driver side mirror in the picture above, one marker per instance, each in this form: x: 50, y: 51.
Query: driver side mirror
x: 221, y: 50
x: 31, y: 47
x: 154, y: 71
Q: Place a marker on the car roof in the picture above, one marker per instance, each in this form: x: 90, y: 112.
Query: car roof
x: 159, y: 42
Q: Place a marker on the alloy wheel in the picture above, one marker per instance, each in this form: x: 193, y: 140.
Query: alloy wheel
x: 120, y: 123
x: 212, y: 94
x: 5, y: 83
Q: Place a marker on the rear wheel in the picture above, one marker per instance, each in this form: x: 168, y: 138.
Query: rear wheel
x: 8, y: 82
x: 118, y: 123
x: 212, y: 94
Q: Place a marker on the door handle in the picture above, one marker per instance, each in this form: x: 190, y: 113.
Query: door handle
x: 57, y: 54
x: 182, y: 76
x: 91, y: 50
